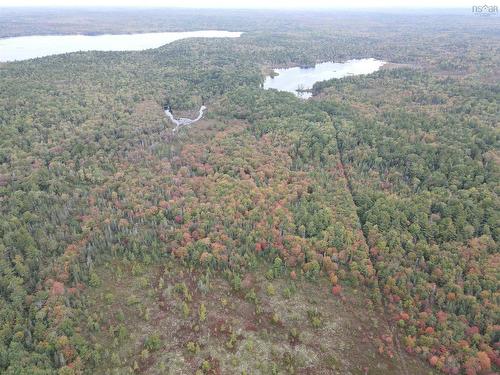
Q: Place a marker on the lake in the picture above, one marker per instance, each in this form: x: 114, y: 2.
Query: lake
x: 29, y: 47
x: 294, y: 79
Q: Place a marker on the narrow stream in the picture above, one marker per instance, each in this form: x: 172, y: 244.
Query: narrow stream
x: 182, y: 121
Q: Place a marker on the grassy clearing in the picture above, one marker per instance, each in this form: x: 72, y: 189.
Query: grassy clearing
x: 167, y: 319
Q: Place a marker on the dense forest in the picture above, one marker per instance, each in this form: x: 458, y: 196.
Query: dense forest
x: 368, y: 212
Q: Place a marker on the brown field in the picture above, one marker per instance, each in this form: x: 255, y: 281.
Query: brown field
x: 263, y: 327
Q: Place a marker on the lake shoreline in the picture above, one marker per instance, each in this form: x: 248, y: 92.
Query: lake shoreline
x: 15, y: 49
x: 300, y: 81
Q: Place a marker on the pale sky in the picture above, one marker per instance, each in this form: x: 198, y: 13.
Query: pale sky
x: 251, y: 3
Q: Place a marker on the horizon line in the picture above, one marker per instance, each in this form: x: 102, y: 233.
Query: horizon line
x: 234, y: 8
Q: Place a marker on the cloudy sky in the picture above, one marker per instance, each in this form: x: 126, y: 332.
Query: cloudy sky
x: 251, y: 3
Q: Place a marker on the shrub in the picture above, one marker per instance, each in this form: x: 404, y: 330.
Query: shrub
x: 153, y: 342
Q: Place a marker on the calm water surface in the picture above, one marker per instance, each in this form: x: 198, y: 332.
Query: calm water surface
x: 294, y: 79
x: 29, y: 47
